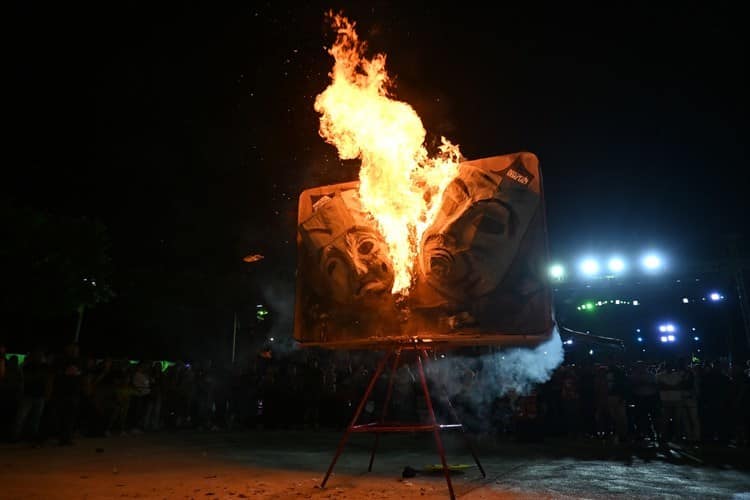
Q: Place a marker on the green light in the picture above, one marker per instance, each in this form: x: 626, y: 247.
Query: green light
x: 261, y: 314
x: 21, y: 357
x: 165, y: 365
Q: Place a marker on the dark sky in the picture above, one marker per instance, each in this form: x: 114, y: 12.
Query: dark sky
x: 190, y: 131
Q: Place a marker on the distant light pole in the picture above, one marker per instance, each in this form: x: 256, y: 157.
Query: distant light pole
x: 234, y: 335
x: 249, y: 258
x: 81, y: 308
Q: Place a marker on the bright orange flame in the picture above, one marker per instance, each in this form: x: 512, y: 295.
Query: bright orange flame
x: 401, y: 186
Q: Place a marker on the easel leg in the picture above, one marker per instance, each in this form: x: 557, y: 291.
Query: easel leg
x: 384, y: 412
x: 433, y: 421
x: 345, y: 437
x: 456, y: 419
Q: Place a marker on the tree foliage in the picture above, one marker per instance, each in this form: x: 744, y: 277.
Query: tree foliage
x: 53, y: 264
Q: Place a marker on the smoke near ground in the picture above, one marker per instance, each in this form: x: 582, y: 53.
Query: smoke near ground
x: 478, y: 381
x: 279, y: 297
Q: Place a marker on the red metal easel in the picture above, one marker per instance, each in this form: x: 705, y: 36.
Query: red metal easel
x: 382, y: 426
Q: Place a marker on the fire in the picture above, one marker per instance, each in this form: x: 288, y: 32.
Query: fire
x: 401, y: 185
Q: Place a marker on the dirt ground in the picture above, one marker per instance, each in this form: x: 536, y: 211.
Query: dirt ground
x: 290, y: 465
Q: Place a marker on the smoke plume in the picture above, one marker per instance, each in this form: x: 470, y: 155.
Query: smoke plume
x: 477, y: 381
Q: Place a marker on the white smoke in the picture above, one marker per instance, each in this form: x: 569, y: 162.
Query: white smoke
x: 481, y: 379
x: 279, y: 297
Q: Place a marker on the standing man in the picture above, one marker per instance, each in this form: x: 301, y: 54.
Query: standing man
x: 67, y: 392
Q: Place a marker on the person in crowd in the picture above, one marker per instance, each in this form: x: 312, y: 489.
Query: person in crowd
x: 618, y: 395
x: 736, y: 420
x: 140, y: 405
x: 570, y: 399
x: 645, y: 393
x: 123, y: 392
x: 67, y: 392
x: 672, y: 381
x: 312, y: 392
x: 152, y: 419
x: 690, y: 396
x: 35, y: 391
x: 11, y: 393
x: 602, y: 418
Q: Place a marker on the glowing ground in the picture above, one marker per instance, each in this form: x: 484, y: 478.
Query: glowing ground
x: 290, y: 465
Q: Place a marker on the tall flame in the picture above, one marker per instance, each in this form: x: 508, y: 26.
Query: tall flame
x: 401, y: 186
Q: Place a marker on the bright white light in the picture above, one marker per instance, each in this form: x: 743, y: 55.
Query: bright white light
x: 696, y: 338
x: 616, y: 264
x: 693, y: 328
x: 635, y: 303
x: 663, y: 338
x: 670, y: 338
x: 652, y: 262
x: 670, y: 327
x: 640, y: 339
x: 638, y: 330
x: 715, y: 296
x: 685, y: 300
x: 591, y: 352
x: 271, y: 339
x: 589, y: 267
x: 569, y: 341
x: 662, y: 328
x: 557, y: 271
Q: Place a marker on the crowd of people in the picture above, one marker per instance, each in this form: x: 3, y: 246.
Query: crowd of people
x: 55, y: 397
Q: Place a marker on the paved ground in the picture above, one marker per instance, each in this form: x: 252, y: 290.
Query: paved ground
x: 291, y: 464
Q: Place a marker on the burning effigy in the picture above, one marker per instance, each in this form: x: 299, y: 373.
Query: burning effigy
x: 432, y: 248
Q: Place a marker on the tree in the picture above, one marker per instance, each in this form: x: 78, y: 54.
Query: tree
x: 54, y: 265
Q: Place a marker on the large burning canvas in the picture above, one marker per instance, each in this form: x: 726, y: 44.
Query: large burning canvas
x: 479, y: 275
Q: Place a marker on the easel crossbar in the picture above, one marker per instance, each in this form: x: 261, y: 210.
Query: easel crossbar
x: 382, y: 426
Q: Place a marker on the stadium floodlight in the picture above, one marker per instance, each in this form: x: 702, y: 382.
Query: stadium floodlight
x: 663, y: 338
x: 652, y: 262
x: 696, y: 339
x: 667, y: 327
x: 640, y: 339
x: 616, y: 265
x: 715, y: 296
x: 685, y: 300
x: 670, y: 338
x: 589, y: 266
x: 557, y: 271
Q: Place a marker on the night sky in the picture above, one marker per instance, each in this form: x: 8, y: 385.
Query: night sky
x: 188, y: 133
